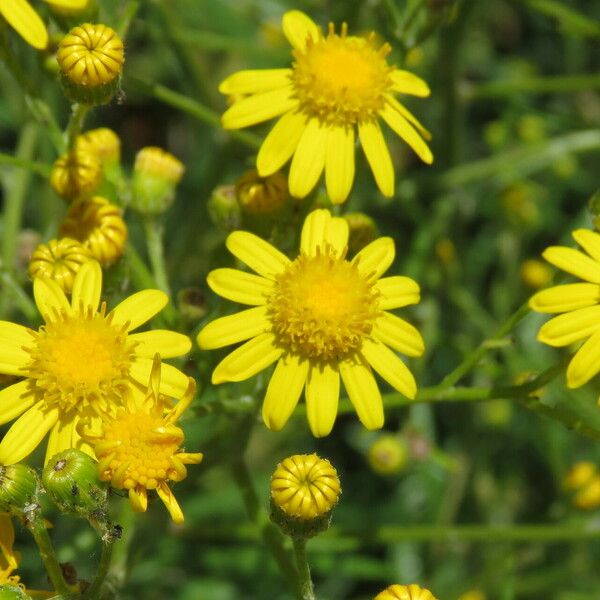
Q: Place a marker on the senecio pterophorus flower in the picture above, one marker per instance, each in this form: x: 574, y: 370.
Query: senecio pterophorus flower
x: 579, y: 303
x: 337, y: 84
x: 139, y: 445
x: 80, y: 363
x: 321, y: 317
x: 405, y: 592
x: 27, y: 23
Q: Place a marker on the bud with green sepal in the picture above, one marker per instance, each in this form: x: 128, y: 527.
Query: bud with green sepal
x: 594, y: 207
x: 19, y: 489
x: 223, y: 208
x: 13, y: 592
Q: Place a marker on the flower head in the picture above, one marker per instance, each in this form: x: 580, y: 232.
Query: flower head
x: 579, y: 304
x: 76, y: 174
x: 59, y: 260
x: 405, y: 592
x: 388, y: 455
x: 338, y: 84
x: 261, y: 196
x: 79, y: 363
x: 139, y: 445
x: 104, y: 142
x: 321, y: 317
x: 99, y: 226
x: 21, y: 16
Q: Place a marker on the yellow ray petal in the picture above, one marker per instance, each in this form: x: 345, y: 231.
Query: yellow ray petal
x: 255, y: 81
x: 23, y: 18
x: 570, y: 327
x: 407, y: 132
x: 339, y: 163
x: 409, y: 117
x: 15, y: 400
x: 375, y: 258
x: 390, y: 367
x: 309, y: 159
x: 173, y: 382
x: 319, y: 229
x: 239, y: 286
x: 167, y: 343
x: 405, y: 82
x: 259, y: 255
x: 138, y: 498
x: 259, y: 107
x: 139, y: 308
x: 322, y: 396
x: 563, y: 298
x: 589, y: 241
x: 574, y: 262
x: 397, y: 291
x: 298, y: 28
x: 247, y: 360
x: 60, y: 438
x: 280, y: 143
x: 14, y: 334
x: 87, y: 286
x: 170, y: 502
x: 49, y: 298
x: 26, y: 433
x: 363, y: 392
x: 284, y: 391
x: 586, y: 362
x: 233, y: 329
x: 378, y: 156
x: 13, y: 359
x: 7, y: 540
x: 398, y: 334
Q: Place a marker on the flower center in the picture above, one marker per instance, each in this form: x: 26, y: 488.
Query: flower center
x: 137, y: 449
x: 342, y: 80
x: 81, y: 360
x: 322, y: 307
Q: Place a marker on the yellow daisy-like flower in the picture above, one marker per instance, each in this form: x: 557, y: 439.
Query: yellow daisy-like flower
x: 321, y: 317
x: 79, y: 363
x: 139, y: 446
x: 21, y: 16
x: 337, y: 84
x: 579, y: 303
x: 405, y: 592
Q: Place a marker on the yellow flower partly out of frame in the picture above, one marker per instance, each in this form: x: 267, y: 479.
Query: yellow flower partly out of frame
x: 321, y: 317
x: 338, y: 84
x: 139, y: 446
x: 79, y: 363
x: 22, y: 17
x: 405, y: 592
x: 579, y: 304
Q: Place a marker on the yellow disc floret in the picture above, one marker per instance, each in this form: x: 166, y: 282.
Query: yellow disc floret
x: 322, y: 307
x: 305, y: 486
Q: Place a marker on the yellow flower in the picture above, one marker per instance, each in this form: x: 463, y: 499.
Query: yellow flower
x: 59, y: 260
x: 9, y: 559
x: 27, y: 23
x: 99, y: 226
x: 79, y: 363
x: 305, y: 486
x: 579, y: 303
x: 139, y: 445
x: 405, y: 592
x: 321, y: 317
x: 337, y: 84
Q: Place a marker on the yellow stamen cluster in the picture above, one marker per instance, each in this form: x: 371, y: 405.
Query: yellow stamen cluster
x: 342, y: 79
x: 261, y: 195
x: 305, y: 486
x: 159, y: 163
x: 322, y: 307
x: 76, y: 174
x: 80, y: 361
x: 99, y: 226
x: 405, y: 592
x: 91, y: 55
x: 59, y: 260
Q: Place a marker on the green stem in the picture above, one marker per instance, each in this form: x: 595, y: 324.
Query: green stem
x: 307, y: 591
x: 93, y: 592
x: 154, y: 242
x: 127, y: 17
x: 75, y: 125
x: 23, y: 301
x: 31, y: 165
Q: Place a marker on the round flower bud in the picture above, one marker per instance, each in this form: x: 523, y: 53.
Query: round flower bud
x: 362, y: 231
x: 388, y: 455
x: 262, y: 196
x: 99, y: 226
x: 59, y: 260
x: 304, y: 490
x: 588, y: 497
x: 405, y: 592
x: 13, y: 592
x: 580, y: 474
x: 156, y: 174
x: 472, y: 595
x: 104, y: 142
x: 71, y: 480
x: 18, y: 488
x: 76, y: 174
x: 224, y: 209
x: 192, y: 304
x: 535, y: 274
x: 91, y: 59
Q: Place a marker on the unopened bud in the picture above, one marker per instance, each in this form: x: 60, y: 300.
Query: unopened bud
x: 388, y: 455
x: 262, y: 196
x: 224, y: 209
x: 361, y: 231
x: 18, y: 489
x: 76, y: 174
x: 405, y: 592
x: 192, y: 304
x: 13, y: 592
